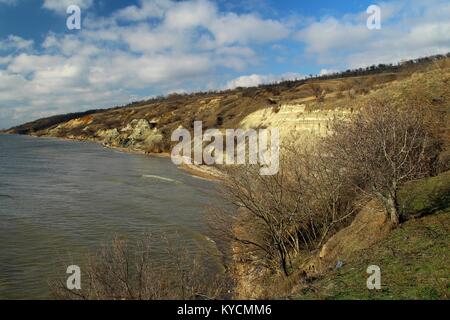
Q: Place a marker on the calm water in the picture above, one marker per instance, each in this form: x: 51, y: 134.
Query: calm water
x: 60, y: 200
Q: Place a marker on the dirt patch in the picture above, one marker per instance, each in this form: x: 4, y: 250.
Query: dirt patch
x: 370, y: 225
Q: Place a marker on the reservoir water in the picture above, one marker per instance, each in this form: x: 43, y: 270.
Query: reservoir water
x: 61, y: 200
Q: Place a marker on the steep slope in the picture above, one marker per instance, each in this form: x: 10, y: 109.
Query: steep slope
x: 294, y: 106
x: 413, y: 260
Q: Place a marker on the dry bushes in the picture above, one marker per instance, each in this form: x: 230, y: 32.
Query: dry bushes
x: 441, y: 64
x: 388, y: 142
x: 383, y: 146
x: 280, y: 216
x: 124, y: 272
x: 354, y: 87
x: 318, y: 92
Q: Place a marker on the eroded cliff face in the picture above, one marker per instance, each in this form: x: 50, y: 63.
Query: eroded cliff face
x: 291, y: 106
x: 147, y: 133
x: 295, y: 119
x: 147, y: 126
x: 139, y: 135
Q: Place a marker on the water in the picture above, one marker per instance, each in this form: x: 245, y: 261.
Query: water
x: 60, y: 200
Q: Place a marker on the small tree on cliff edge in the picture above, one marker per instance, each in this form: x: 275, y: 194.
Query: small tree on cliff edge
x: 382, y: 147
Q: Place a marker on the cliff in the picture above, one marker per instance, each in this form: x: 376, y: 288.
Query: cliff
x: 299, y: 110
x: 303, y: 106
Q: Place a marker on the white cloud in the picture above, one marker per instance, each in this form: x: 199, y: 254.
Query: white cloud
x: 190, y: 14
x: 160, y: 46
x: 247, y: 28
x: 60, y: 6
x: 156, y: 47
x: 146, y: 9
x: 254, y: 80
x: 324, y: 72
x: 15, y: 43
x: 333, y: 34
x: 8, y: 2
x: 246, y: 81
x: 410, y: 28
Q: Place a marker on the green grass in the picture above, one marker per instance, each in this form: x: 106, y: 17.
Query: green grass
x: 414, y: 258
x: 425, y: 196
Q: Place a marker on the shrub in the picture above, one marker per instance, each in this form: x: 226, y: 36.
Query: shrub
x: 318, y: 92
x: 124, y: 272
x: 274, y: 218
x: 383, y: 146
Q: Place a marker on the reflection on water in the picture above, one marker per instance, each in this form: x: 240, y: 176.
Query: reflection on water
x: 60, y: 200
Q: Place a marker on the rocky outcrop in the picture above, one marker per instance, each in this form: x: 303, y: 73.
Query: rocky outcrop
x: 109, y: 136
x: 138, y: 135
x: 291, y: 118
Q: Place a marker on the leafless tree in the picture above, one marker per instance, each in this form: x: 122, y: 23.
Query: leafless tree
x: 121, y: 271
x: 275, y: 218
x: 317, y: 90
x: 383, y: 146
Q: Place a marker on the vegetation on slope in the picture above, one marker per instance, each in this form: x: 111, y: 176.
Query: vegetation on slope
x: 413, y: 261
x: 286, y: 219
x: 413, y: 258
x: 226, y: 109
x: 425, y: 196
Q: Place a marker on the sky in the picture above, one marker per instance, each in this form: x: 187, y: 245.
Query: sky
x: 132, y: 50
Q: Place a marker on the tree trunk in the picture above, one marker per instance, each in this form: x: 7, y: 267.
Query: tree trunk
x: 283, y: 261
x: 392, y: 211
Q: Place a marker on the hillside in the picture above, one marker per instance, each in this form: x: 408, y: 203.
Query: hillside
x: 303, y: 105
x: 413, y: 257
x: 413, y: 261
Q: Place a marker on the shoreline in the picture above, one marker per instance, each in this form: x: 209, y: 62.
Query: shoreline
x: 194, y: 170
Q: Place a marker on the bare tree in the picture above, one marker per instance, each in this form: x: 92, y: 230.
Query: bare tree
x: 275, y: 218
x: 121, y: 271
x: 382, y: 147
x: 317, y: 90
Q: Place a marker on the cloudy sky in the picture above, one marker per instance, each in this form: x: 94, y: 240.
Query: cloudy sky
x: 130, y: 50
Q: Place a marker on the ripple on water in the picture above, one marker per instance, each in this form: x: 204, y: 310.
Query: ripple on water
x: 60, y: 200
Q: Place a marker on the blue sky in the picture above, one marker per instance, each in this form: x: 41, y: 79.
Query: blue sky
x: 130, y: 50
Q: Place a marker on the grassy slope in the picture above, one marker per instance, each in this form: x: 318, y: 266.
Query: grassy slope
x: 426, y: 196
x: 413, y: 261
x: 413, y: 258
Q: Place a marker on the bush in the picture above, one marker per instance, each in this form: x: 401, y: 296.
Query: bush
x: 124, y: 272
x: 384, y: 146
x: 318, y: 92
x: 273, y: 219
